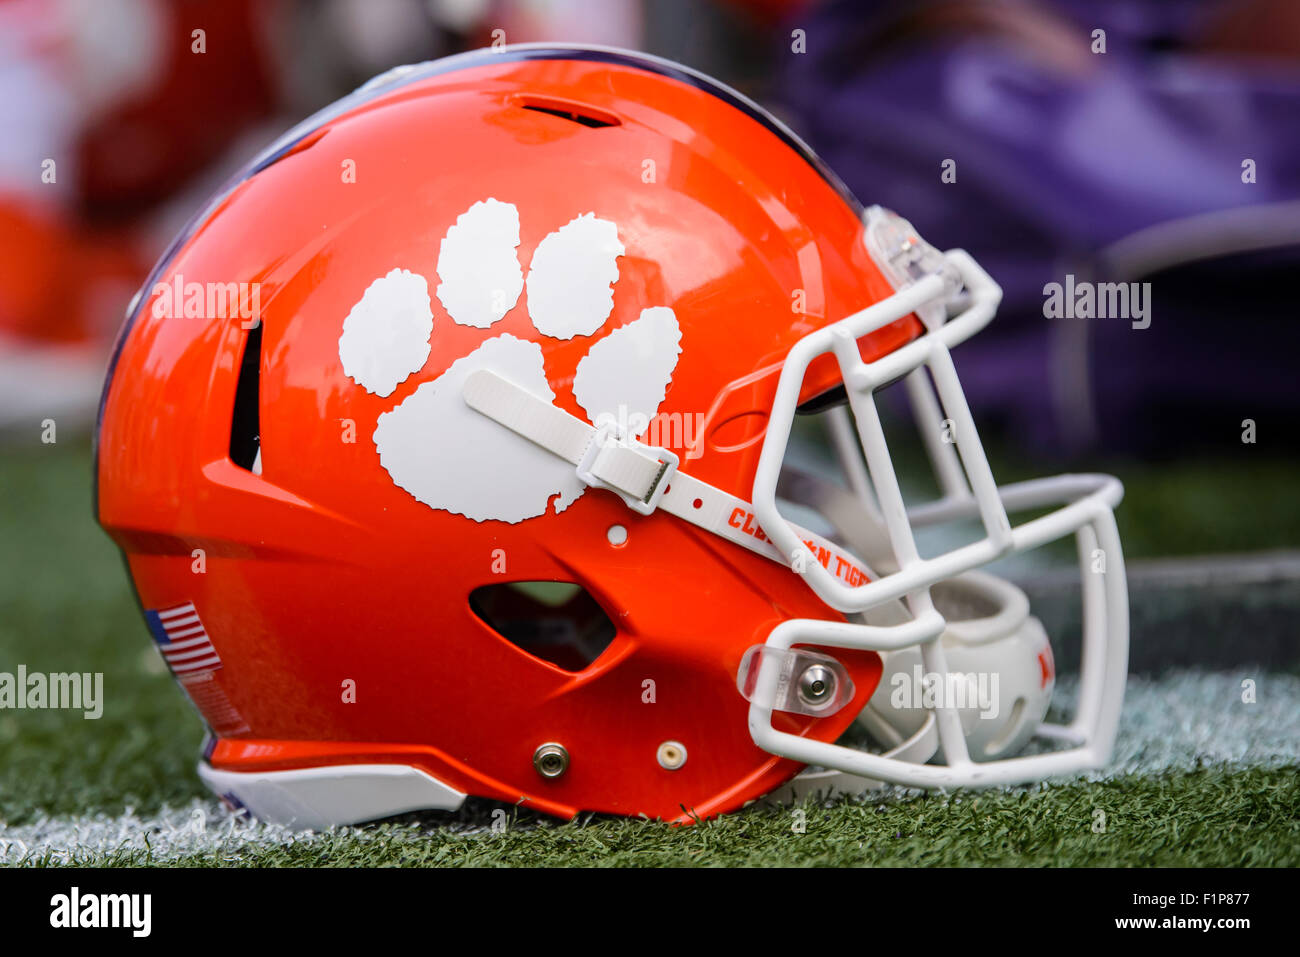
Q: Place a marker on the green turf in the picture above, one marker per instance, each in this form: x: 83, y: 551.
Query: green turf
x: 65, y: 606
x: 1204, y: 818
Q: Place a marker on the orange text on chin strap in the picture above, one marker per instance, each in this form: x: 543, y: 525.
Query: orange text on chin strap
x: 842, y: 567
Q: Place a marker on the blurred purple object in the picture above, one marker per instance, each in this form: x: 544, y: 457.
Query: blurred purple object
x: 1123, y: 166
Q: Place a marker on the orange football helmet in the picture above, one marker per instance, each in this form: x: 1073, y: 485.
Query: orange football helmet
x: 446, y: 451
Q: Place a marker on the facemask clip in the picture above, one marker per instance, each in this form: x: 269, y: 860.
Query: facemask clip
x: 905, y: 258
x: 794, y: 680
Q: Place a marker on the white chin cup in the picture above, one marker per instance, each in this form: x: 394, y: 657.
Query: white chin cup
x: 1000, y: 672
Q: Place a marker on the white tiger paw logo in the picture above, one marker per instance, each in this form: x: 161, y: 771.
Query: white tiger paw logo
x: 436, y: 447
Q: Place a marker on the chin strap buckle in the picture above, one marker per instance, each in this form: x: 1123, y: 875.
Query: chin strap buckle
x: 639, y: 474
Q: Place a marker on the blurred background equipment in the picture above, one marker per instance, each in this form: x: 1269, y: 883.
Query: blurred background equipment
x: 109, y: 114
x: 1162, y: 149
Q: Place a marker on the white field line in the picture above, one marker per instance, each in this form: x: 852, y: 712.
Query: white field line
x: 1174, y: 722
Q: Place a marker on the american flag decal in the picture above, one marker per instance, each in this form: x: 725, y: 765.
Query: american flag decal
x: 188, y: 651
x: 182, y: 640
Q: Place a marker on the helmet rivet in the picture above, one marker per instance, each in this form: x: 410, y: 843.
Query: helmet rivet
x: 817, y: 685
x: 671, y: 755
x: 551, y: 760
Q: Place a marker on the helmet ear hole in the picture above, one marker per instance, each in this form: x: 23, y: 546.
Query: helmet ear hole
x: 558, y: 622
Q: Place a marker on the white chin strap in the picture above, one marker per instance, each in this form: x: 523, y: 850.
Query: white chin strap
x: 646, y: 477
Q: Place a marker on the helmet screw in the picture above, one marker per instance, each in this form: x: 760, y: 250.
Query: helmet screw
x: 817, y: 685
x: 551, y: 760
x: 671, y: 755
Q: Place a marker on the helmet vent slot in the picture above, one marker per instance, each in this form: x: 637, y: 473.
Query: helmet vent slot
x: 245, y: 425
x: 558, y: 622
x: 573, y: 112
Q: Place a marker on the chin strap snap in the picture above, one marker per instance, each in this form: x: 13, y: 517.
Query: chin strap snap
x: 639, y: 474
